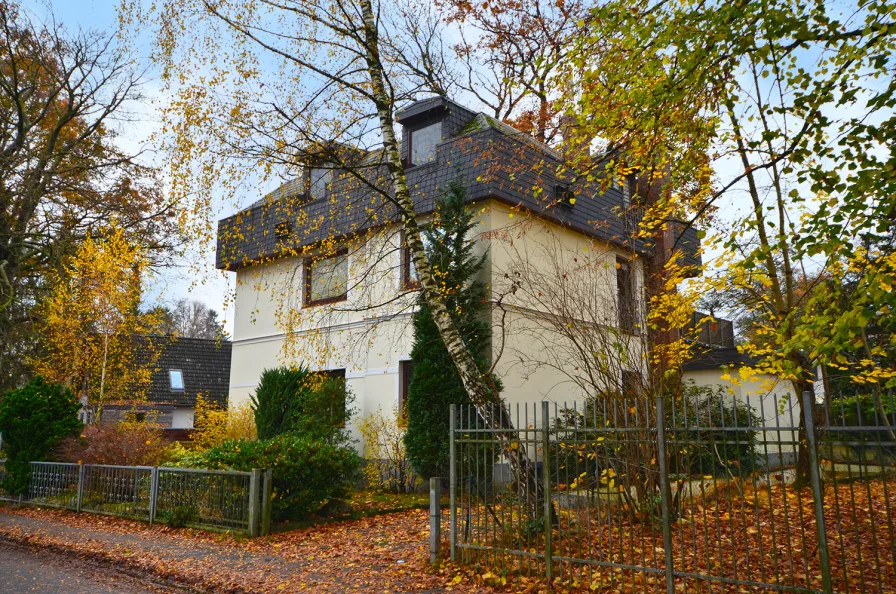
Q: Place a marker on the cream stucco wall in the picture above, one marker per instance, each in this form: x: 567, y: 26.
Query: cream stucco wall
x: 272, y: 328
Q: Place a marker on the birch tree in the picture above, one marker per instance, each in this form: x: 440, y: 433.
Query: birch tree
x: 270, y: 88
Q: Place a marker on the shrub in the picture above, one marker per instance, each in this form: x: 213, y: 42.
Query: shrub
x: 33, y: 420
x: 127, y: 443
x: 307, y: 473
x: 215, y: 425
x: 181, y: 516
x: 388, y: 467
x: 299, y: 401
x: 436, y: 384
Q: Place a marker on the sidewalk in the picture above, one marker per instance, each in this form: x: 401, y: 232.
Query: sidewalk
x: 378, y: 554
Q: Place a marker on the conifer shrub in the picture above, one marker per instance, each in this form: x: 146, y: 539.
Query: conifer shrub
x: 436, y: 383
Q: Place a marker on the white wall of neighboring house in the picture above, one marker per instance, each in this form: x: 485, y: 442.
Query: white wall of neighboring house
x: 182, y: 417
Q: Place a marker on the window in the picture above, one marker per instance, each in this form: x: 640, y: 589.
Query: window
x: 631, y: 383
x: 318, y: 182
x: 629, y: 191
x: 334, y: 388
x: 410, y: 278
x: 564, y: 196
x: 625, y: 295
x: 423, y: 143
x: 326, y: 279
x: 283, y: 229
x: 135, y: 417
x: 405, y: 374
x: 176, y: 379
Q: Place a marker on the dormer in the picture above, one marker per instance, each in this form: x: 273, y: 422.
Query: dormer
x: 425, y: 124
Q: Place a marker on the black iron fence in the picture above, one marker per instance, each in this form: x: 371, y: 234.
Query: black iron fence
x: 228, y: 500
x: 718, y: 494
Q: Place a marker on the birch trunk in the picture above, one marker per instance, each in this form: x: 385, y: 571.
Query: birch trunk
x: 479, y: 386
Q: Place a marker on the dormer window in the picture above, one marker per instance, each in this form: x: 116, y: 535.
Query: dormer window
x: 423, y: 143
x: 564, y: 196
x: 283, y: 229
x: 318, y: 180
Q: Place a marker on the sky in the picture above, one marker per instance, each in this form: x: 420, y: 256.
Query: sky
x: 191, y: 279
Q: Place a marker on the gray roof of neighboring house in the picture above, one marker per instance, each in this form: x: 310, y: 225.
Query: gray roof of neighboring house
x: 716, y: 358
x: 205, y: 365
x: 492, y: 159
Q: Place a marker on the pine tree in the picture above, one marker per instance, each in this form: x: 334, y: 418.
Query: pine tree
x: 436, y: 384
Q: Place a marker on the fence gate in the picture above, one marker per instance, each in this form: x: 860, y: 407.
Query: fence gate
x: 716, y: 494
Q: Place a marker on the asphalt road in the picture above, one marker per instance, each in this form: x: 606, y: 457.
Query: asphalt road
x: 24, y: 569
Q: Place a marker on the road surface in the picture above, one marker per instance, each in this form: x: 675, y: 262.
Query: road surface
x: 25, y: 569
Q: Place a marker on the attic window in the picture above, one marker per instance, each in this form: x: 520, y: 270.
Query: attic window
x: 176, y: 378
x: 318, y: 182
x: 564, y: 196
x: 423, y: 143
x: 283, y: 229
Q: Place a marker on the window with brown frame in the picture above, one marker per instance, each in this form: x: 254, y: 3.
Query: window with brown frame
x: 409, y: 277
x: 405, y: 374
x: 326, y: 279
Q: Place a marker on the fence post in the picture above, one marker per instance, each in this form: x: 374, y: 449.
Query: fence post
x: 435, y: 517
x: 817, y: 491
x: 254, y: 484
x: 452, y: 481
x: 153, y: 493
x: 546, y: 476
x: 268, y: 490
x: 664, y: 492
x: 80, y: 499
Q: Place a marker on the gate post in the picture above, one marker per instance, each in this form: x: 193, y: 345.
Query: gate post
x: 664, y: 492
x: 435, y: 517
x: 153, y: 493
x: 267, y: 492
x: 254, y: 484
x: 817, y: 492
x: 546, y: 477
x: 80, y: 497
x: 452, y: 480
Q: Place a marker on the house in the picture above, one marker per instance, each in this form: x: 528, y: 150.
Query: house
x: 323, y: 277
x: 183, y: 370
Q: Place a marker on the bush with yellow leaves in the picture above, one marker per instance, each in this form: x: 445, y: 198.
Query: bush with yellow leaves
x: 387, y: 467
x: 215, y: 425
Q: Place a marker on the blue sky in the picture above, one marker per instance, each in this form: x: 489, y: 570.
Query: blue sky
x: 207, y: 285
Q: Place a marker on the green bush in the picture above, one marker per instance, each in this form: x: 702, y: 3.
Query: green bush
x: 33, y: 420
x: 307, y: 473
x: 436, y: 384
x: 181, y: 516
x: 295, y: 400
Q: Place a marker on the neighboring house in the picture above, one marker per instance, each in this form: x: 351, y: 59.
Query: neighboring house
x: 184, y: 369
x: 345, y: 306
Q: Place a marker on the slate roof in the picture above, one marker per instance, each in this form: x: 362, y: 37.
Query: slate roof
x: 716, y: 358
x: 205, y: 365
x: 492, y: 159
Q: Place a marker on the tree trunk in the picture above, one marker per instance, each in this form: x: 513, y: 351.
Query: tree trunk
x: 478, y: 385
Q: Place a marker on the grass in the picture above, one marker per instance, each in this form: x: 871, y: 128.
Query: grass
x: 364, y: 505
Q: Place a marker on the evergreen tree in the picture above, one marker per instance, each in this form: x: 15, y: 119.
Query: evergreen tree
x: 436, y: 384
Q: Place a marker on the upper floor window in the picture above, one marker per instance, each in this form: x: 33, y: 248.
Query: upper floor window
x: 405, y: 374
x: 629, y: 190
x: 318, y: 182
x: 625, y: 295
x: 410, y: 277
x: 326, y: 279
x: 176, y: 380
x: 423, y: 143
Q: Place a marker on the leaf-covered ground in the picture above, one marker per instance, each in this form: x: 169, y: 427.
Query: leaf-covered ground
x: 382, y: 553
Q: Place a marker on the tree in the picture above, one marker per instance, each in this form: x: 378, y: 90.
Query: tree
x: 91, y: 320
x: 790, y: 105
x: 33, y: 419
x: 62, y: 175
x: 190, y: 319
x: 435, y: 385
x: 328, y: 101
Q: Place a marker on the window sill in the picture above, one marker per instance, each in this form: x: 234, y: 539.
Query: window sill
x: 325, y: 301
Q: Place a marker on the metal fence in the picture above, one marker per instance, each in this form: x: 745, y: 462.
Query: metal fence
x: 719, y: 494
x: 228, y: 500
